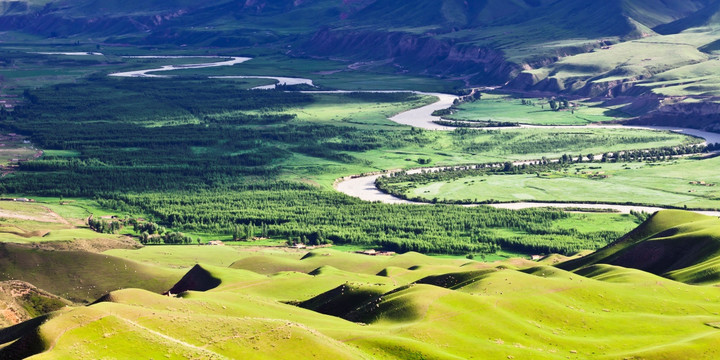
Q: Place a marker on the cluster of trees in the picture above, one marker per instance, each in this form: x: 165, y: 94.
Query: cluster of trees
x: 239, y: 118
x: 464, y: 97
x: 559, y: 104
x: 168, y: 238
x: 475, y: 123
x: 150, y: 228
x: 641, y: 216
x: 105, y: 227
x: 248, y: 232
x: 474, y: 95
x: 660, y: 154
x: 303, y: 213
x: 442, y: 112
x: 388, y: 183
x: 314, y: 239
x: 180, y: 134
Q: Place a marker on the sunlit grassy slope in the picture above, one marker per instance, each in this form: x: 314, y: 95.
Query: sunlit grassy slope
x: 328, y: 304
x: 675, y: 244
x: 80, y: 276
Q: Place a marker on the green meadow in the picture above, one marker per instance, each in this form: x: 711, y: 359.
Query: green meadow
x: 506, y: 108
x: 676, y: 183
x: 679, y: 64
x: 326, y: 74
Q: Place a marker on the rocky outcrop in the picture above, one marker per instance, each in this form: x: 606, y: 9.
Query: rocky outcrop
x: 610, y: 89
x: 21, y: 301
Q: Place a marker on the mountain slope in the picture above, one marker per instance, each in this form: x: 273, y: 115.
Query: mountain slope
x: 709, y: 15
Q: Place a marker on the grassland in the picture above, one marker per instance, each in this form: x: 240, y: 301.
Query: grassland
x: 57, y: 252
x: 684, y: 244
x: 84, y: 276
x: 676, y: 183
x: 38, y: 222
x: 491, y: 146
x: 15, y: 148
x: 506, y: 108
x: 274, y: 304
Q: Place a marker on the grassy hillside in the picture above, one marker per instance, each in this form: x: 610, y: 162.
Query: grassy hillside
x: 678, y: 245
x: 505, y: 310
x: 80, y: 276
x: 510, y: 26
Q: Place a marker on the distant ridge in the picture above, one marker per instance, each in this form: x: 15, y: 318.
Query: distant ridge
x: 703, y: 17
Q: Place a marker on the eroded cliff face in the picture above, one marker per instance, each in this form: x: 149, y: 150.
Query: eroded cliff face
x: 21, y: 301
x: 703, y: 115
x: 610, y: 89
x: 587, y: 87
x: 415, y: 53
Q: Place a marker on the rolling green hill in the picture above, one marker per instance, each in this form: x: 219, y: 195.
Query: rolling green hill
x: 413, y: 307
x: 79, y: 276
x: 678, y: 245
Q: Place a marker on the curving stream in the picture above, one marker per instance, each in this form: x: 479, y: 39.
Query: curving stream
x: 363, y: 187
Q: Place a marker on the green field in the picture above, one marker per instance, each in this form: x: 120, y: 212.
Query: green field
x: 488, y: 146
x: 663, y: 183
x: 506, y: 108
x: 240, y: 158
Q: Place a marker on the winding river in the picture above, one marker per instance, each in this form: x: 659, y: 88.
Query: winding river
x: 230, y: 62
x: 363, y: 187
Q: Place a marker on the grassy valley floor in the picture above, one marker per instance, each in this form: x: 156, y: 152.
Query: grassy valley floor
x: 678, y: 183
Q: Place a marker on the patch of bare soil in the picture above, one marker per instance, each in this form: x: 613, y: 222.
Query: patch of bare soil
x: 97, y: 245
x: 21, y: 301
x: 47, y: 216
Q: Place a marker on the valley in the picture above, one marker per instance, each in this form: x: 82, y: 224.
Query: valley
x: 364, y: 179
